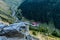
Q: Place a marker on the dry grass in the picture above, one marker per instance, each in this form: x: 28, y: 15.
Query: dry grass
x: 43, y: 37
x: 4, y: 7
x: 4, y: 22
x: 5, y: 12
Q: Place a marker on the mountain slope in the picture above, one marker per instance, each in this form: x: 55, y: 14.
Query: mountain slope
x: 5, y: 12
x: 8, y: 10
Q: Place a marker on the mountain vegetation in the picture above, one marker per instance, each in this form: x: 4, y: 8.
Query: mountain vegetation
x: 42, y: 11
x: 45, y: 12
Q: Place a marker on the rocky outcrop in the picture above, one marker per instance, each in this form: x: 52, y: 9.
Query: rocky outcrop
x: 16, y: 31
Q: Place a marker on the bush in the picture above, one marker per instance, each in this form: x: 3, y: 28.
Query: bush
x: 56, y: 33
x: 41, y: 29
x: 32, y: 28
x: 34, y: 33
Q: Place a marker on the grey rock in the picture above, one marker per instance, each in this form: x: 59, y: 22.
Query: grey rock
x: 3, y: 38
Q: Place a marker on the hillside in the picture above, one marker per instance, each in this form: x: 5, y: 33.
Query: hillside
x: 8, y: 10
x: 5, y: 12
x: 45, y: 13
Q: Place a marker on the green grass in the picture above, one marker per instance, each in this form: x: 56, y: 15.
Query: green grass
x: 46, y: 29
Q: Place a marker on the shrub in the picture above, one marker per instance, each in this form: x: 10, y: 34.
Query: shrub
x: 56, y: 33
x: 32, y: 28
x: 41, y: 29
x: 34, y: 33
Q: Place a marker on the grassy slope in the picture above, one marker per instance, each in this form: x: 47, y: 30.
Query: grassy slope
x: 42, y: 35
x: 4, y: 7
x: 5, y: 13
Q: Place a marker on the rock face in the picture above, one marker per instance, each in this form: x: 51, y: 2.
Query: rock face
x: 3, y: 38
x: 16, y: 27
x: 16, y: 31
x: 13, y: 38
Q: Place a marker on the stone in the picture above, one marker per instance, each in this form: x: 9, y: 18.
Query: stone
x: 3, y: 38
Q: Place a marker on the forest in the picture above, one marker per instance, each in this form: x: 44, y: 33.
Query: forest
x: 42, y: 11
